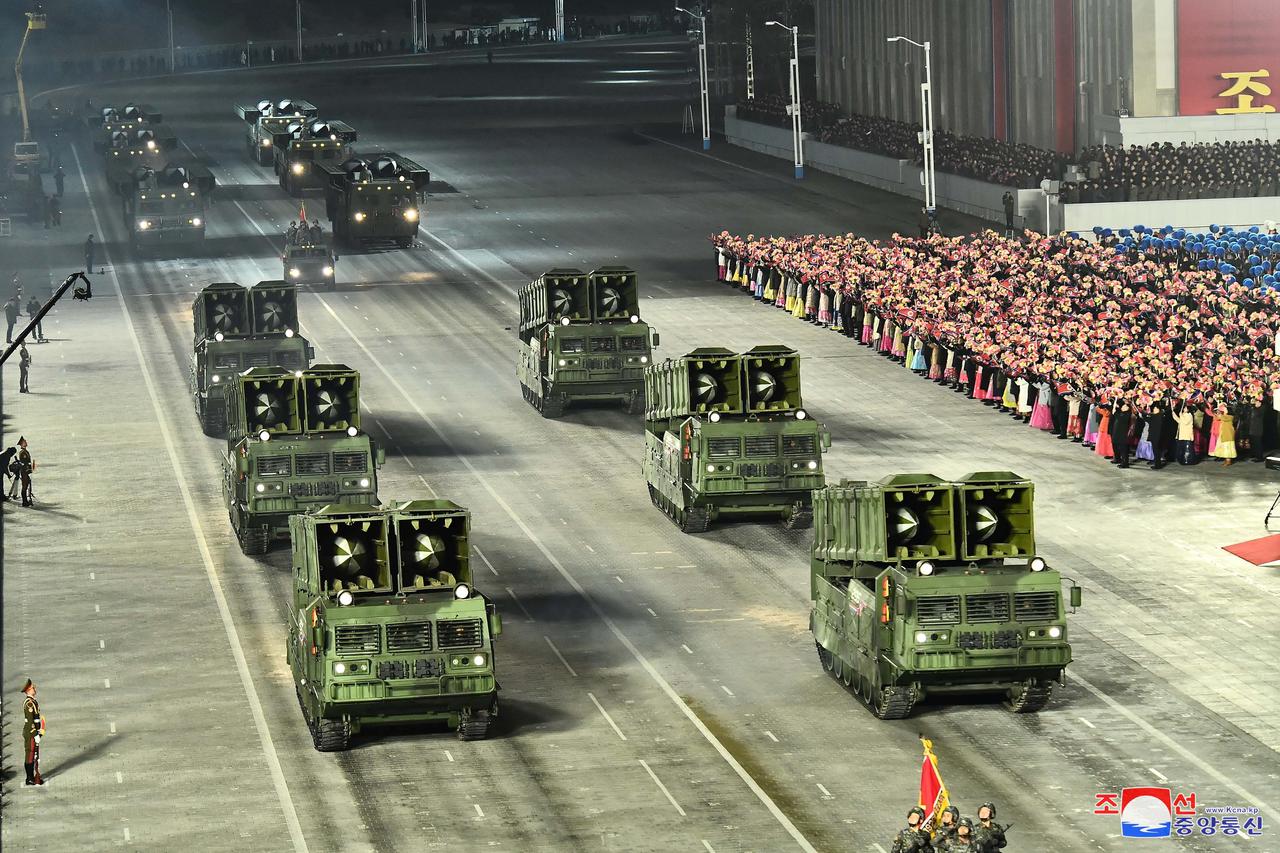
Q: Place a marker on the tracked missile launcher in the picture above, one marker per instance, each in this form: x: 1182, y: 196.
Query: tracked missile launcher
x: 306, y: 148
x: 923, y: 587
x: 386, y: 626
x: 265, y: 119
x: 294, y: 444
x: 375, y: 198
x: 726, y: 436
x: 581, y: 338
x: 167, y: 206
x: 237, y: 328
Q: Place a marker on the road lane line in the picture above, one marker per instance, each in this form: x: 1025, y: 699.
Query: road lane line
x: 106, y: 683
x: 448, y: 755
x: 119, y: 778
x: 1086, y: 722
x: 707, y: 846
x: 771, y: 736
x: 823, y: 789
x: 605, y: 714
x: 663, y: 685
x: 206, y: 555
x: 1156, y: 773
x: 484, y: 559
x: 479, y: 811
x: 662, y: 787
x: 560, y: 656
x: 686, y: 648
x: 112, y: 728
x: 519, y: 604
x: 726, y: 689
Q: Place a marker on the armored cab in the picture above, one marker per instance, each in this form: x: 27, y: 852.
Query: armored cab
x: 125, y: 150
x: 167, y: 206
x: 294, y: 444
x: 111, y: 120
x: 375, y: 198
x: 309, y: 261
x: 238, y: 328
x: 581, y: 338
x: 726, y: 436
x: 923, y: 587
x: 386, y: 626
x: 265, y: 119
x: 305, y: 148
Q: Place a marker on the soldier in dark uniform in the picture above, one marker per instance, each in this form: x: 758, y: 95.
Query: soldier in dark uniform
x: 32, y: 731
x: 1009, y: 207
x: 989, y: 835
x: 913, y: 839
x: 24, y: 369
x: 25, y: 466
x: 963, y: 841
x: 947, y: 825
x: 291, y: 236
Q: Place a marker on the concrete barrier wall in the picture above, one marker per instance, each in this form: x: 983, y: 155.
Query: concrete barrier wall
x: 1131, y: 130
x: 1197, y: 214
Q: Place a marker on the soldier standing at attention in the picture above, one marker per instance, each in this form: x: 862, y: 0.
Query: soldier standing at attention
x: 913, y: 839
x: 989, y: 835
x: 89, y: 248
x: 947, y: 825
x: 963, y: 841
x: 291, y: 236
x: 24, y: 368
x: 32, y: 731
x: 33, y: 308
x: 26, y: 465
x: 10, y: 315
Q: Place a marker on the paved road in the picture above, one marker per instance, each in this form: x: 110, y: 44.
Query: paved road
x: 660, y: 691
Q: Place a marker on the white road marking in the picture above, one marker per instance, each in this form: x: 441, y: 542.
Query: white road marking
x: 91, y: 574
x: 102, y: 644
x: 113, y: 728
x: 1156, y: 773
x: 428, y: 485
x: 707, y: 846
x: 662, y: 552
x: 206, y: 555
x: 406, y: 459
x: 126, y: 834
x: 448, y: 755
x: 484, y: 560
x: 1222, y: 778
x: 726, y: 689
x: 823, y: 789
x: 663, y: 685
x: 879, y: 848
x: 661, y: 787
x: 589, y: 548
x: 770, y: 735
x: 651, y: 613
x: 559, y: 656
x: 618, y: 578
x: 605, y: 714
x: 520, y: 604
x: 119, y: 778
x: 1086, y: 722
x: 686, y: 648
x: 106, y: 683
x: 479, y: 811
x: 690, y: 566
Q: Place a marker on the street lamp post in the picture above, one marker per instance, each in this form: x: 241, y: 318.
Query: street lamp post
x: 702, y: 78
x: 797, y: 140
x: 168, y: 8
x: 298, y: 11
x: 926, y: 122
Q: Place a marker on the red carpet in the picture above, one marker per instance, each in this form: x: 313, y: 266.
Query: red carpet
x: 1258, y: 551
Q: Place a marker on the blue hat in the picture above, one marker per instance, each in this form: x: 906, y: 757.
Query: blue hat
x: 1120, y: 250
x: 1253, y: 229
x: 1139, y: 228
x: 1197, y: 247
x: 1269, y: 279
x: 1180, y: 233
x: 1097, y: 229
x: 1213, y: 229
x: 1125, y: 232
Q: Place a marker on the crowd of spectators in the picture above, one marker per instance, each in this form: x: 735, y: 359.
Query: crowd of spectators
x: 1073, y: 336
x: 1162, y: 171
x: 772, y: 110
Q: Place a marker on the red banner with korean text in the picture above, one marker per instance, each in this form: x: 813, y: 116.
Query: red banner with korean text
x: 1228, y: 59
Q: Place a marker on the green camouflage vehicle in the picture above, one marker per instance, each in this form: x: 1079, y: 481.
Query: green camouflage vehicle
x: 304, y: 149
x: 128, y: 151
x: 294, y: 444
x: 265, y: 119
x: 923, y: 587
x: 374, y: 198
x: 166, y: 207
x: 236, y: 329
x: 725, y: 435
x: 105, y: 126
x: 386, y: 627
x: 581, y: 338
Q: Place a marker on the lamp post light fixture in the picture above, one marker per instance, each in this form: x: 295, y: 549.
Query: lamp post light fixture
x: 926, y: 123
x: 702, y: 76
x: 797, y: 140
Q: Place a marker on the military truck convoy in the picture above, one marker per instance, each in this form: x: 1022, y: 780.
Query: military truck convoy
x: 267, y: 120
x: 581, y: 338
x: 923, y: 587
x: 374, y: 198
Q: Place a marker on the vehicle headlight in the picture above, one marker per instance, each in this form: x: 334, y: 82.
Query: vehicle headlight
x: 411, y: 214
x: 644, y: 359
x: 711, y: 469
x: 925, y: 568
x: 196, y: 221
x: 352, y: 431
x: 564, y: 321
x: 339, y: 668
x: 1038, y: 564
x: 260, y: 488
x: 715, y: 417
x: 462, y: 591
x: 297, y: 168
x: 288, y: 333
x: 264, y: 436
x: 144, y: 224
x: 345, y: 598
x: 294, y: 272
x: 801, y: 414
x: 562, y: 362
x: 359, y: 216
x: 635, y: 318
x: 478, y: 660
x: 813, y: 465
x: 266, y: 143
x: 364, y: 482
x: 1055, y: 632
x: 217, y: 336
x: 151, y: 145
x: 216, y: 378
x: 327, y: 271
x: 922, y: 637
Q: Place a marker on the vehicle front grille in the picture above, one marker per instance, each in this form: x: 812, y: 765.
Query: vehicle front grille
x: 756, y: 469
x: 273, y: 466
x: 350, y: 462
x: 393, y: 669
x: 409, y: 637
x: 572, y: 345
x: 459, y: 633
x: 938, y: 610
x: 286, y: 359
x: 357, y: 639
x: 258, y: 359
x: 1035, y: 606
x: 313, y: 489
x: 723, y: 448
x: 604, y: 345
x: 987, y: 607
x: 311, y: 463
x: 604, y: 364
x: 633, y: 344
x: 806, y: 444
x: 761, y: 445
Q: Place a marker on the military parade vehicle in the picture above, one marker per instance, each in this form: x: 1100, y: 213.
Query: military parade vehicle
x: 581, y: 338
x: 308, y: 261
x: 116, y: 120
x: 237, y: 328
x: 294, y: 444
x: 386, y: 626
x: 266, y: 119
x: 924, y: 587
x: 165, y: 206
x: 374, y: 198
x: 726, y: 436
x: 306, y: 148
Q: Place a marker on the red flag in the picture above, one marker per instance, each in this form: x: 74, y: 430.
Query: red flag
x: 933, y: 794
x: 302, y: 211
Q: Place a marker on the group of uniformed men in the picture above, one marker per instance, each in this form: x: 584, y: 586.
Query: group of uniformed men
x: 304, y: 234
x: 954, y: 833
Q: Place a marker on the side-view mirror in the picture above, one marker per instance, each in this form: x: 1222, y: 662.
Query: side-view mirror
x: 900, y: 603
x: 379, y: 456
x: 335, y: 259
x: 655, y: 339
x: 826, y: 439
x: 1076, y: 595
x: 311, y: 352
x: 495, y: 622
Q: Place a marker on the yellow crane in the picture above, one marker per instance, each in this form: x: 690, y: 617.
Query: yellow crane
x: 26, y: 151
